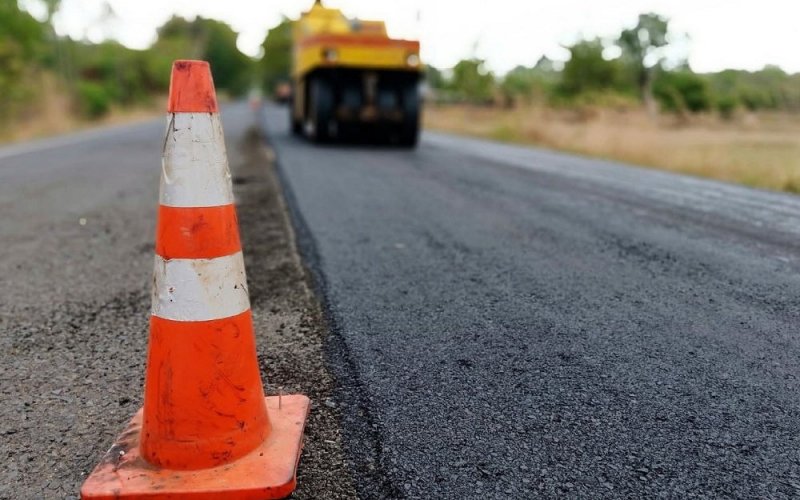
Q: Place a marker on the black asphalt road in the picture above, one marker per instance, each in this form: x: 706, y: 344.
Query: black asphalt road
x: 511, y: 322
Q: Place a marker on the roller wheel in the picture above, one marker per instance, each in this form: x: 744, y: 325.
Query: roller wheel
x: 409, y: 129
x: 320, y: 125
x: 296, y: 126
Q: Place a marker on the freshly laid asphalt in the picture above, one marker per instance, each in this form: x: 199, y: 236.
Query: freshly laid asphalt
x: 510, y: 322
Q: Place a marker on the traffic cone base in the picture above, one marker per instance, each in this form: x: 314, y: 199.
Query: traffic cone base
x: 268, y: 472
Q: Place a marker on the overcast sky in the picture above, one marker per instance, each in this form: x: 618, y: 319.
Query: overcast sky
x: 722, y: 34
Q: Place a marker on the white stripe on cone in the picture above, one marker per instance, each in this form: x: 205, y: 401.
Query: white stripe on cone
x: 199, y: 289
x: 194, y: 165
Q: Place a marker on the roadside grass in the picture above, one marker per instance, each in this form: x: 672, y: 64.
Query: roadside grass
x: 54, y: 113
x: 759, y: 150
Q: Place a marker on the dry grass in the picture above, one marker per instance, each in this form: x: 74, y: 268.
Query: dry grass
x: 757, y: 150
x: 53, y: 113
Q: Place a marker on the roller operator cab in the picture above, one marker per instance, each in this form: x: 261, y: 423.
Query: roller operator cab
x: 350, y: 79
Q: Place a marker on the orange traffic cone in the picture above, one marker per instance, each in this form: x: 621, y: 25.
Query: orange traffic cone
x: 206, y: 430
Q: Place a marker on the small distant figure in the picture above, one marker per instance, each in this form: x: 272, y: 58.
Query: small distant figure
x: 255, y: 98
x: 282, y: 92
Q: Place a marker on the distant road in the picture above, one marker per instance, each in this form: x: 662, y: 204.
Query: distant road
x: 512, y: 322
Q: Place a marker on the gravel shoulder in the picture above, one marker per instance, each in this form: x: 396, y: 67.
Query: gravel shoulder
x: 287, y: 311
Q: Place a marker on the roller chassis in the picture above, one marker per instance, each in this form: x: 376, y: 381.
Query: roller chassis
x: 353, y: 103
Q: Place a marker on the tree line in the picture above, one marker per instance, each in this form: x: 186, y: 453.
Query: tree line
x: 97, y: 76
x: 638, y: 73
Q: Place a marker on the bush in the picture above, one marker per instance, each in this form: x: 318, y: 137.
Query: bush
x: 472, y: 81
x: 682, y: 91
x: 726, y: 105
x: 587, y: 70
x: 94, y: 100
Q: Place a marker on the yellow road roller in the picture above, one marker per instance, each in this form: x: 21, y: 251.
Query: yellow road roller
x: 351, y: 80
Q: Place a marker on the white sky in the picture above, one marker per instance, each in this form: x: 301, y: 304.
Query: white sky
x: 744, y: 34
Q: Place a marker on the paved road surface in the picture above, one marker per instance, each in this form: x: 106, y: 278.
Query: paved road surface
x: 511, y: 322
x: 507, y: 322
x: 77, y: 219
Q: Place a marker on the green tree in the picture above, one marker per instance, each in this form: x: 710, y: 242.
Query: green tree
x: 642, y: 48
x: 21, y: 39
x: 231, y: 69
x: 57, y: 55
x: 434, y: 77
x: 527, y: 83
x: 110, y: 73
x: 210, y: 40
x: 587, y: 70
x: 472, y: 81
x: 682, y: 91
x: 275, y: 65
x: 768, y: 88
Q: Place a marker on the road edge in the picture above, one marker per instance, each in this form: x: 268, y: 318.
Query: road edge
x: 362, y: 443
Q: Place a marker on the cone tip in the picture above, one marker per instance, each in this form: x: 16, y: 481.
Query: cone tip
x: 191, y: 88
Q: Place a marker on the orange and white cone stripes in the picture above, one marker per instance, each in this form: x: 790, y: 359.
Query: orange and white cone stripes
x: 206, y: 430
x: 199, y: 294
